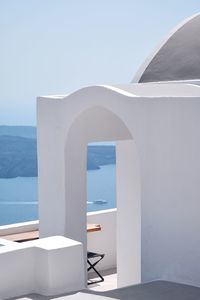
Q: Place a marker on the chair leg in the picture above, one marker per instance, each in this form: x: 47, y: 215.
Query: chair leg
x: 92, y: 266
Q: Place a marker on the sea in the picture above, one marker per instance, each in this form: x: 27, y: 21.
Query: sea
x: 19, y: 203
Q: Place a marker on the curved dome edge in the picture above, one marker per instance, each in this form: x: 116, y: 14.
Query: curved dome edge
x: 148, y: 60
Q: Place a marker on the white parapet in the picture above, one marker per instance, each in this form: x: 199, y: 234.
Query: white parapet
x: 19, y: 227
x: 48, y: 266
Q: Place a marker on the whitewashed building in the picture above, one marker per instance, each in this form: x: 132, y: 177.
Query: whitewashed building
x: 155, y: 121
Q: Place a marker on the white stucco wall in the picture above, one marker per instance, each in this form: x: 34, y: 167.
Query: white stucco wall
x: 129, y: 214
x: 167, y: 136
x: 170, y: 193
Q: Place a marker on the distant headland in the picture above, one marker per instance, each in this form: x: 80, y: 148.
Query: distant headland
x: 18, y: 152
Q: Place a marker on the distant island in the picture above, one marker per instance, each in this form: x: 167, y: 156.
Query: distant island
x: 22, y: 131
x: 18, y: 152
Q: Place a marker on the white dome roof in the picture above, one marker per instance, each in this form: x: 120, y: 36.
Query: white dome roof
x: 177, y: 58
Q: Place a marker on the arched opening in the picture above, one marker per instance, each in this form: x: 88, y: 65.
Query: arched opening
x: 93, y: 125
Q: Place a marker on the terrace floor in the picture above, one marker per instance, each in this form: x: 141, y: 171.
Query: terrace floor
x: 157, y: 290
x: 110, y: 281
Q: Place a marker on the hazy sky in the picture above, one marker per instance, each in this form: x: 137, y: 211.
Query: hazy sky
x: 58, y: 46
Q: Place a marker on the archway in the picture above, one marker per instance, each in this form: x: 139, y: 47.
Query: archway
x: 93, y: 125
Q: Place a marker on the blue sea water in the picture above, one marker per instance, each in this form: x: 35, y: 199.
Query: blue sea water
x: 18, y: 196
x: 101, y: 185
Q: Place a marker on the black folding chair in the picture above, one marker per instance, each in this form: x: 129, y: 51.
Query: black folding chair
x: 90, y: 256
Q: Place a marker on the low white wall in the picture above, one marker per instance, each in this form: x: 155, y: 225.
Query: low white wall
x: 45, y: 266
x: 103, y: 241
x: 19, y: 227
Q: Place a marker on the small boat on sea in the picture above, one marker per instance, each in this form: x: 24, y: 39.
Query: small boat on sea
x: 100, y: 201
